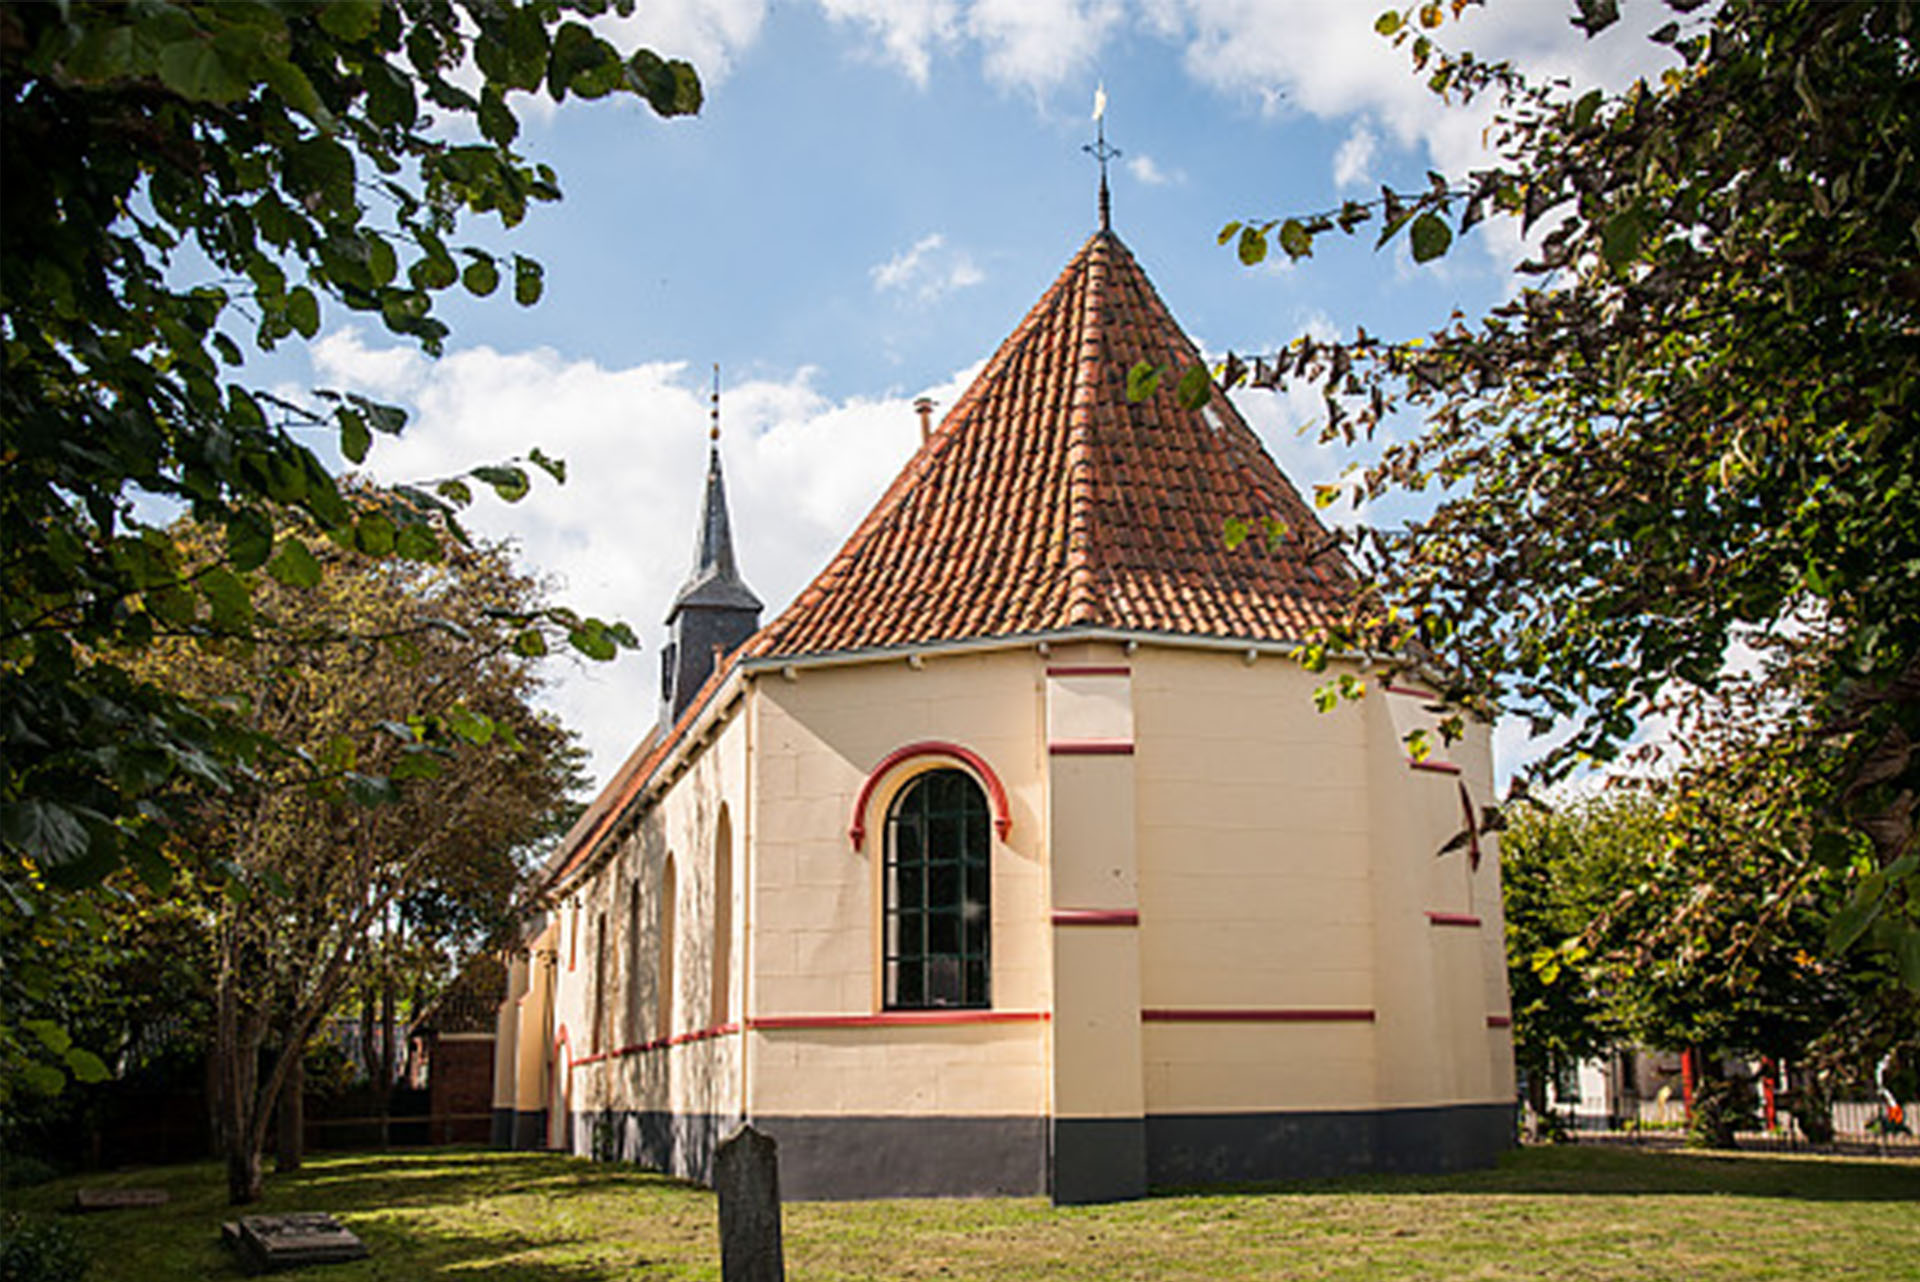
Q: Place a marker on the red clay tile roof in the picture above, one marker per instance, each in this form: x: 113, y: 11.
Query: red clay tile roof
x: 1046, y: 501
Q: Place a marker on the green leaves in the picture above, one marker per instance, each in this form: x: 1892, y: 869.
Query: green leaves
x: 481, y: 277
x: 350, y: 20
x: 1430, y: 237
x: 1295, y: 239
x: 510, y: 483
x: 294, y: 565
x: 1195, y: 388
x: 202, y: 69
x: 1253, y: 246
x: 528, y: 281
x: 286, y: 145
x: 1621, y: 237
x: 1143, y: 380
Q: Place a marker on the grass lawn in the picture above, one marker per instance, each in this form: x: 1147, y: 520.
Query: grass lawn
x: 1581, y: 1212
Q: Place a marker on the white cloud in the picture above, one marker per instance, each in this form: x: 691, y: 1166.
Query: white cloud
x: 1146, y: 170
x: 926, y: 271
x: 1353, y: 163
x: 1038, y: 44
x: 907, y: 31
x: 708, y: 33
x: 801, y: 469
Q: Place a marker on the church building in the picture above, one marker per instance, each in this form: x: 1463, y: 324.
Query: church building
x: 1014, y: 857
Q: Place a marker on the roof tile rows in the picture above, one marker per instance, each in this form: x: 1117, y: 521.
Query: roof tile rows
x: 1046, y: 500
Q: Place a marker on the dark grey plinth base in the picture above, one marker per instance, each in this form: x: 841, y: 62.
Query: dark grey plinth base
x: 529, y: 1129
x: 834, y: 1158
x: 1099, y: 1159
x: 679, y: 1144
x: 1229, y: 1148
x: 1076, y: 1160
x: 501, y: 1135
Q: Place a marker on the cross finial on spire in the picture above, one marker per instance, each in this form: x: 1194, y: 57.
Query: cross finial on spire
x: 713, y: 433
x: 1101, y: 152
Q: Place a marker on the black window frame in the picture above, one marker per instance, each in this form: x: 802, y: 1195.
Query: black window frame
x: 937, y: 940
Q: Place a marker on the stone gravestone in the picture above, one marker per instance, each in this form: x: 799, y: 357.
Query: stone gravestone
x: 746, y: 1175
x: 117, y: 1199
x: 269, y: 1243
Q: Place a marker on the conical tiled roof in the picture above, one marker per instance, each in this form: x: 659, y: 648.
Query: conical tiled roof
x: 1047, y: 501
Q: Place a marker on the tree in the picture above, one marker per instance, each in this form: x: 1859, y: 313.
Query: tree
x: 1559, y: 871
x: 179, y: 178
x: 1690, y: 435
x: 417, y: 768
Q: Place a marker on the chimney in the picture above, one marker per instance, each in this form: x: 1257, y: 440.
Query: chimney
x: 924, y: 408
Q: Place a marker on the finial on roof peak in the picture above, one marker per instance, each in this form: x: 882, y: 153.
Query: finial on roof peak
x: 713, y: 433
x: 1101, y: 152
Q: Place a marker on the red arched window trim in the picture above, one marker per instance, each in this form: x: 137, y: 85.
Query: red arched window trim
x: 996, y: 795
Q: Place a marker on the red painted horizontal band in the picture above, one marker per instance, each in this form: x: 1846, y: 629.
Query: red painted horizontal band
x: 1090, y: 748
x: 1270, y: 1015
x: 1499, y: 1021
x: 1453, y: 919
x: 1437, y: 767
x: 1089, y: 670
x: 1096, y: 917
x: 658, y: 1044
x: 898, y: 1019
x: 1411, y: 692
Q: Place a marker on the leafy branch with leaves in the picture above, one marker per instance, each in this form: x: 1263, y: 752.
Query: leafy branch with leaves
x: 182, y: 179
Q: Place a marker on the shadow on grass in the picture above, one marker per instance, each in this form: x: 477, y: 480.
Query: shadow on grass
x: 420, y: 1214
x: 1612, y: 1172
x: 430, y: 1178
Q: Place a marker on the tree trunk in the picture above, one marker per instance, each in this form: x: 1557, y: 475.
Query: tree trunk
x: 367, y: 1021
x: 386, y: 1065
x: 216, y: 1103
x: 246, y: 1175
x: 1721, y: 1108
x: 291, y: 1148
x: 239, y: 1057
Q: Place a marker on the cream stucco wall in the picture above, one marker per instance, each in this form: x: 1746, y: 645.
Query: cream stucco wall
x: 817, y: 901
x: 641, y: 1025
x: 1287, y: 868
x: 1294, y: 942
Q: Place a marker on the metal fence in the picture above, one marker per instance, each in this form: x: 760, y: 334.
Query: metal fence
x: 1858, y: 1125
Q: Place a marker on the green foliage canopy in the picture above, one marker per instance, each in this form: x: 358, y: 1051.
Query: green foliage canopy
x: 1692, y: 429
x: 182, y: 179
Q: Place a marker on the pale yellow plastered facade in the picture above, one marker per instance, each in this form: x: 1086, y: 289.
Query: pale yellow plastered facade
x: 1279, y: 860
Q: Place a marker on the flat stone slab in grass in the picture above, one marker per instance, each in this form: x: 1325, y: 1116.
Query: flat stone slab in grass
x: 117, y: 1199
x: 269, y: 1243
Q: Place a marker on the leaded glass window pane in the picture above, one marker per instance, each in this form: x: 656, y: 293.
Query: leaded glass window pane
x: 938, y: 894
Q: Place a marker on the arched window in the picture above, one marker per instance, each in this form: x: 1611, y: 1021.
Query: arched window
x: 938, y: 897
x: 596, y: 1040
x: 663, y: 972
x: 720, y: 994
x: 636, y: 960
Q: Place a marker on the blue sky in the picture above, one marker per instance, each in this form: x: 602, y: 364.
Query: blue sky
x: 874, y: 194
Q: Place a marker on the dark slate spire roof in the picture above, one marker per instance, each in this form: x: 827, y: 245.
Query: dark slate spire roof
x: 715, y: 581
x: 1047, y: 501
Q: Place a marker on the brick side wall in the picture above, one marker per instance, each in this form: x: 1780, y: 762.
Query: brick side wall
x: 460, y: 1086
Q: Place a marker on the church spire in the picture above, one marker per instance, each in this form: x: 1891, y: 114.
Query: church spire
x: 715, y: 609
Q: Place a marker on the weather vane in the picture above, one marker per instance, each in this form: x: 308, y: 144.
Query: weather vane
x: 1099, y: 150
